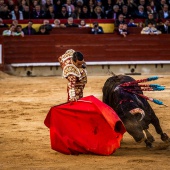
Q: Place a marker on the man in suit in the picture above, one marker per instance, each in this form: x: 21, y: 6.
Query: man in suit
x: 164, y: 28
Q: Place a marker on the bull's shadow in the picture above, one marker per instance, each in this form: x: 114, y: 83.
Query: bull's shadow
x: 134, y: 110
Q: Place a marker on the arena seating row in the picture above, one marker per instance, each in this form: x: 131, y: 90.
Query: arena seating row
x: 106, y: 47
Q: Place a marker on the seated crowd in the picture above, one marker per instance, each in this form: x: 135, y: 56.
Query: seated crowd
x: 152, y: 12
x: 83, y: 9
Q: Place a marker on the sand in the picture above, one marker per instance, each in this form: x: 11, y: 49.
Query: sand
x: 25, y: 140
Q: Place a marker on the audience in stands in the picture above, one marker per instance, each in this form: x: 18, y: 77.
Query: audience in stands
x: 29, y: 30
x: 16, y: 13
x: 70, y: 22
x: 131, y: 23
x: 150, y: 30
x: 42, y: 31
x: 120, y: 20
x: 97, y: 29
x: 19, y: 31
x: 120, y: 10
x: 47, y: 25
x: 165, y: 28
x: 10, y: 31
x: 83, y: 24
x: 150, y: 19
x: 2, y: 24
x: 123, y: 30
x: 57, y: 24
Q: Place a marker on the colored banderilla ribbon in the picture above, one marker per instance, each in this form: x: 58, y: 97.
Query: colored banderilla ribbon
x: 133, y: 87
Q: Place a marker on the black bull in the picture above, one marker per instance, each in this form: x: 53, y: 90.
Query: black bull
x: 136, y: 124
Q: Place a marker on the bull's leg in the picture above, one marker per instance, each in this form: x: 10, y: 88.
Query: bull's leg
x: 155, y: 122
x: 149, y: 136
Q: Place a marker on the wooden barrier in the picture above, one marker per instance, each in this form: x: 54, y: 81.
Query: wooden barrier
x: 106, y: 47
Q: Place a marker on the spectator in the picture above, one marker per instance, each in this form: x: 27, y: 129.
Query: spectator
x: 11, y: 5
x: 113, y: 14
x: 5, y: 14
x: 19, y: 31
x: 63, y: 14
x: 125, y: 12
x: 98, y: 13
x: 149, y: 10
x: 108, y: 6
x: 123, y: 30
x: 120, y: 20
x: 70, y: 23
x: 15, y: 22
x: 164, y: 28
x: 97, y: 29
x: 10, y: 31
x: 2, y: 24
x: 91, y: 7
x: 42, y: 31
x: 16, y: 14
x: 2, y: 5
x: 85, y: 14
x: 47, y: 25
x: 150, y: 19
x: 164, y: 13
x: 23, y: 3
x: 83, y: 24
x: 131, y: 23
x: 142, y: 3
x: 150, y: 30
x: 140, y: 13
x: 29, y: 30
x: 57, y: 24
x: 38, y: 13
x: 70, y: 7
x: 120, y: 3
x: 47, y: 4
x: 57, y: 6
x: 50, y: 14
x: 131, y: 6
x: 26, y: 12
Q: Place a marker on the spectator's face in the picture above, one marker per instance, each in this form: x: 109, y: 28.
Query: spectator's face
x: 141, y: 9
x: 70, y: 21
x: 37, y: 8
x: 124, y: 26
x: 51, y: 9
x: 1, y: 2
x: 82, y: 22
x: 150, y: 25
x: 121, y: 18
x: 63, y: 9
x: 116, y: 9
x: 42, y: 30
x: 48, y: 2
x: 150, y: 16
x: 167, y: 23
x: 26, y: 8
x: 16, y: 8
x: 30, y: 24
x: 165, y: 8
x: 12, y: 28
x: 142, y: 2
x: 121, y: 26
x: 23, y: 2
x: 68, y: 2
x: 85, y: 10
x: 19, y: 29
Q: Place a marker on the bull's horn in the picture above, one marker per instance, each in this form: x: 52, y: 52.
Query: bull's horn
x: 138, y: 110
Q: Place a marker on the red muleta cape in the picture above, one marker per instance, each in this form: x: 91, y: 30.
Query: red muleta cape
x: 86, y: 126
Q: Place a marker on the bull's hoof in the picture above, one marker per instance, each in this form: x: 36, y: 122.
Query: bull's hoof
x: 165, y: 137
x: 148, y: 144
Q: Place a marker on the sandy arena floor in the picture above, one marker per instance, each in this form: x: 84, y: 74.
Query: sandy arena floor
x: 25, y: 141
